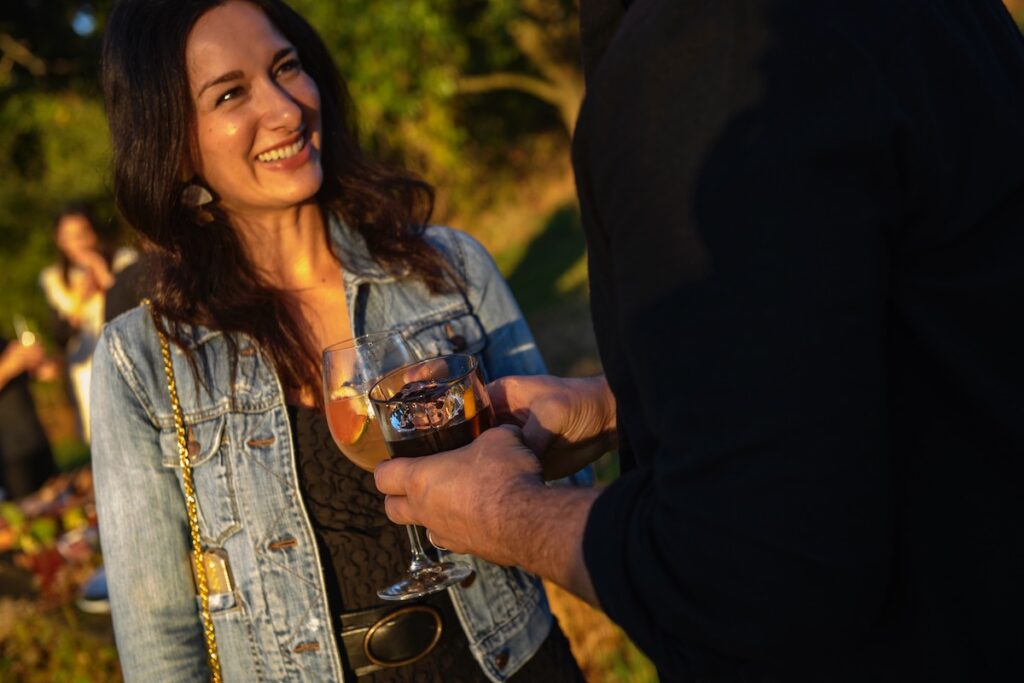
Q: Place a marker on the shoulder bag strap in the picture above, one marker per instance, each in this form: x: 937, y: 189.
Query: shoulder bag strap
x: 190, y: 505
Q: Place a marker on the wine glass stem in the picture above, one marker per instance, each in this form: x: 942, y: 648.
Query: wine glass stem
x: 419, y: 558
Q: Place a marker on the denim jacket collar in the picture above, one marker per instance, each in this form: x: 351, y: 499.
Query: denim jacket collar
x: 358, y: 266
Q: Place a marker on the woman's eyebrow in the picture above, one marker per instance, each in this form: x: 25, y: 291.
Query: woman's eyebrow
x: 281, y: 54
x: 229, y: 76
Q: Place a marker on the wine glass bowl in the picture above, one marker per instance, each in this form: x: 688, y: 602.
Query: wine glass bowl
x: 350, y: 368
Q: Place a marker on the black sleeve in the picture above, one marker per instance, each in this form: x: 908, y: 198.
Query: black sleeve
x: 735, y: 163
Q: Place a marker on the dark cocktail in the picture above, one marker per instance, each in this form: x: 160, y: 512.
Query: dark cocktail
x: 427, y: 416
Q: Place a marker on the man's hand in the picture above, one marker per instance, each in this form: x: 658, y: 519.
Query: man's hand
x: 488, y: 499
x: 463, y: 495
x: 568, y: 422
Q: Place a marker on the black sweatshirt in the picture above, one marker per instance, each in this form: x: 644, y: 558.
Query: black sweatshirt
x: 806, y: 235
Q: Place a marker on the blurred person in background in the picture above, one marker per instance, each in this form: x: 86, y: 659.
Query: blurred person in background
x: 273, y: 236
x: 25, y: 457
x: 805, y: 224
x: 75, y: 288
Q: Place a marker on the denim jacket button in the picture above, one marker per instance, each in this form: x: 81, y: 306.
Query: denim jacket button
x: 501, y: 659
x: 193, y: 448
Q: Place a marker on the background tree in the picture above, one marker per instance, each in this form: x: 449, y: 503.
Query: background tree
x: 530, y: 46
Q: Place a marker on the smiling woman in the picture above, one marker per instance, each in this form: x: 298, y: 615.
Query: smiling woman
x: 270, y: 236
x: 258, y: 124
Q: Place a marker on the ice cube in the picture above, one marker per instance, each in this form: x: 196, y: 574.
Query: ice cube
x: 401, y: 417
x: 425, y: 405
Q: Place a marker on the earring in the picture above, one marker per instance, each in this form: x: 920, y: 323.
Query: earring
x: 195, y: 196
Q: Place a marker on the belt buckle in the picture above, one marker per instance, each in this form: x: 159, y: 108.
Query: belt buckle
x: 381, y: 628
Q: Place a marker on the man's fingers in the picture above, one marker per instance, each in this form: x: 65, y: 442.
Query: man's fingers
x: 398, y: 509
x: 498, y: 392
x: 392, y: 476
x: 535, y: 436
x: 514, y: 430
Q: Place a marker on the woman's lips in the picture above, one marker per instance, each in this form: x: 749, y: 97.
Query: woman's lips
x: 291, y: 162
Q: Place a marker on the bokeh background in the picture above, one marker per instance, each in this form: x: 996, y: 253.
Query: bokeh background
x: 479, y: 96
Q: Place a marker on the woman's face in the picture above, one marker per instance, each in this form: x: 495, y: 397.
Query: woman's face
x: 257, y: 111
x: 76, y: 238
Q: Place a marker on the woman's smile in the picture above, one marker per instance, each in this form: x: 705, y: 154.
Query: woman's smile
x: 285, y: 151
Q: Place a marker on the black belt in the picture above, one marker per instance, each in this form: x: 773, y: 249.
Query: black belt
x: 391, y: 635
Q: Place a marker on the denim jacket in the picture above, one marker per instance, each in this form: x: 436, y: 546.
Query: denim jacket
x: 275, y: 624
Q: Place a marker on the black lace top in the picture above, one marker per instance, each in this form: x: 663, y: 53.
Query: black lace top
x: 362, y: 550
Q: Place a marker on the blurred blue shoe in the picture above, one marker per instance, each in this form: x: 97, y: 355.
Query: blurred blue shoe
x: 94, y: 599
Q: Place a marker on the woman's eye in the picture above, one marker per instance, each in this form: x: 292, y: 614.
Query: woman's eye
x: 229, y: 95
x: 289, y: 66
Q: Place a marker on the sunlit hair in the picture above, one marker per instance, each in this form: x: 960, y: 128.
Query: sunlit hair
x: 202, y: 273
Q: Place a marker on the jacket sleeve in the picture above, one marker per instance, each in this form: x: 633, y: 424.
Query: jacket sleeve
x: 738, y: 205
x: 143, y: 529
x: 510, y: 349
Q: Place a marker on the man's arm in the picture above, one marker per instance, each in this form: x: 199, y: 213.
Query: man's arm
x: 740, y: 205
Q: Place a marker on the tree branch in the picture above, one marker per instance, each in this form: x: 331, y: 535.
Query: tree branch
x: 17, y: 52
x: 510, y: 81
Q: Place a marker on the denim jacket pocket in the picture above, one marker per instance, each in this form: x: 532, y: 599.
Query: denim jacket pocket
x: 211, y: 476
x: 453, y: 331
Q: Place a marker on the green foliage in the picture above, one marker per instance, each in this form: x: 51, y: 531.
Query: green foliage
x: 401, y: 60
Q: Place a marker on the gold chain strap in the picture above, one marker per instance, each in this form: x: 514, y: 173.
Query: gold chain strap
x: 190, y: 505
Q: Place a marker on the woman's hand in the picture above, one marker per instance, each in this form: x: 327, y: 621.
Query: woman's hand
x: 567, y: 422
x: 96, y: 266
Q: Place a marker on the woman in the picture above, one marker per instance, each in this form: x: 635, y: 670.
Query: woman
x: 75, y: 289
x: 272, y: 236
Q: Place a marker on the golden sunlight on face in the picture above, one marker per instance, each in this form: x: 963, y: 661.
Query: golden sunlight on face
x: 257, y: 112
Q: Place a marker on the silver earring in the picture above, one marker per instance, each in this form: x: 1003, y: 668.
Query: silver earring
x: 195, y: 195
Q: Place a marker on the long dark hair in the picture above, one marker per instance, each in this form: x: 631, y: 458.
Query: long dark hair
x: 203, y: 275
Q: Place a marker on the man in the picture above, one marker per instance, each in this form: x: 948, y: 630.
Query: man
x: 806, y: 234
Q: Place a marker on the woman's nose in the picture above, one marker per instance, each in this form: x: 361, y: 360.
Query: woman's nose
x: 280, y: 109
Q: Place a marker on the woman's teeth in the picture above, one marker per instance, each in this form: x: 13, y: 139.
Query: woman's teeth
x: 283, y: 152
